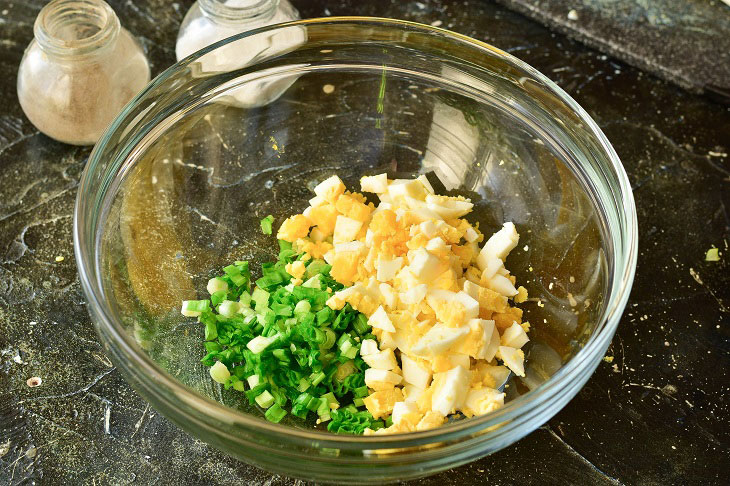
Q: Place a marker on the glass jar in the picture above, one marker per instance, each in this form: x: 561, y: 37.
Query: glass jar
x: 209, y: 21
x: 79, y: 71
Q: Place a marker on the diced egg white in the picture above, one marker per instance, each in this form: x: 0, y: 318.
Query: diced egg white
x: 448, y: 208
x: 439, y: 339
x: 426, y: 184
x: 459, y: 359
x: 388, y: 269
x: 424, y: 265
x: 477, y: 344
x: 380, y: 320
x: 491, y: 348
x: 482, y: 400
x: 329, y: 186
x: 346, y: 229
x: 414, y: 295
x: 317, y: 235
x: 387, y: 341
x: 499, y: 244
x: 368, y: 347
x: 412, y: 393
x: 491, y: 268
x: 470, y: 305
x: 414, y: 373
x: 377, y: 184
x: 400, y: 409
x: 499, y: 373
x: 513, y: 358
x: 450, y: 389
x: 514, y: 336
x: 425, y: 214
x: 406, y: 187
x: 502, y: 285
x: 382, y: 360
x: 390, y: 297
x: 471, y: 235
x: 435, y: 244
x: 428, y: 228
x: 375, y: 377
x: 413, y: 203
x: 356, y: 246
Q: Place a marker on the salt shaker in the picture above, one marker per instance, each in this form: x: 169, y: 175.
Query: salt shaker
x: 79, y: 71
x: 210, y: 21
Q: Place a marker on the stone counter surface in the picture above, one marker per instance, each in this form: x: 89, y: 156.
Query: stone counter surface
x: 655, y: 411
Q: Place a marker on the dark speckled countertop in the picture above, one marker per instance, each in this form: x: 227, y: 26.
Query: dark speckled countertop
x: 655, y: 411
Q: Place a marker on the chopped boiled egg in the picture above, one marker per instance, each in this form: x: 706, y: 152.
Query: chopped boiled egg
x: 482, y: 400
x: 346, y: 229
x: 381, y: 403
x: 425, y: 265
x: 382, y: 360
x: 414, y: 373
x: 449, y: 390
x: 499, y: 244
x: 439, y: 305
x: 388, y: 269
x: 377, y: 184
x: 402, y: 409
x: 414, y: 295
x: 439, y: 339
x: 448, y: 207
x: 380, y: 320
x: 375, y: 378
x: 368, y: 347
x: 330, y: 188
x: 513, y: 358
x: 514, y: 336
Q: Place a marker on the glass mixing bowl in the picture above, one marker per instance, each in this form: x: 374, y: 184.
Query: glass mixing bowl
x: 176, y: 187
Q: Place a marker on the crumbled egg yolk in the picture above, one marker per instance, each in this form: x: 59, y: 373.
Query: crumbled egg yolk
x: 413, y: 266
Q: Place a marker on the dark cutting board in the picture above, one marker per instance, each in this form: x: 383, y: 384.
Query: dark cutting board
x: 684, y: 41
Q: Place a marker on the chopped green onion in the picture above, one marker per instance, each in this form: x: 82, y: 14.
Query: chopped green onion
x: 217, y: 284
x: 275, y: 414
x: 266, y: 226
x: 712, y: 255
x: 219, y: 372
x: 265, y: 399
x: 195, y: 305
x: 304, y: 384
x: 259, y: 343
x: 228, y: 308
x: 260, y: 298
x: 346, y: 421
x: 211, y: 331
x: 317, y: 378
x: 245, y: 299
x: 281, y: 345
x: 361, y: 325
x: 302, y: 307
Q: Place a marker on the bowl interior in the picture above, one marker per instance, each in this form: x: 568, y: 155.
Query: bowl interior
x: 239, y: 143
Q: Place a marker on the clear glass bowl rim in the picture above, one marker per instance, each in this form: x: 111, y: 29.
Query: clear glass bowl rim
x: 625, y: 256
